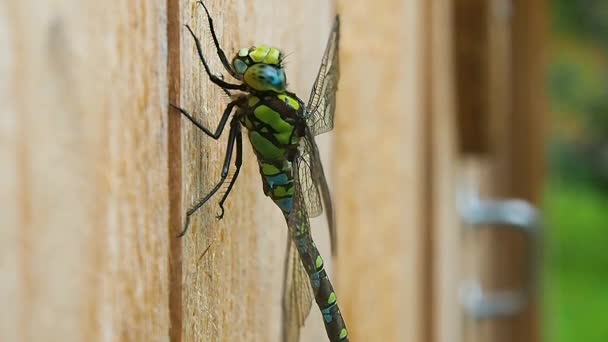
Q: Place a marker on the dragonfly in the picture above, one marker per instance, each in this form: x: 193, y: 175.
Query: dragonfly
x: 281, y: 129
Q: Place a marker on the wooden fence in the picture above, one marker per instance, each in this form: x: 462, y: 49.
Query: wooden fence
x: 97, y: 172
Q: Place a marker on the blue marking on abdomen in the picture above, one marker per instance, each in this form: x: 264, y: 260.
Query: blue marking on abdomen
x: 315, y: 279
x: 327, y: 313
x: 280, y: 179
x: 286, y: 204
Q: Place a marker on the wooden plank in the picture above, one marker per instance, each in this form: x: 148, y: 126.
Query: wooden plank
x: 174, y: 29
x: 519, y: 150
x: 444, y: 152
x: 234, y: 291
x: 514, y: 166
x: 10, y: 199
x: 475, y: 178
x: 378, y: 168
x: 471, y: 59
x: 530, y: 124
x: 486, y: 263
x: 83, y: 89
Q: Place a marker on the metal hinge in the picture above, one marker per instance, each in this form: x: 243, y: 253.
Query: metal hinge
x: 513, y: 214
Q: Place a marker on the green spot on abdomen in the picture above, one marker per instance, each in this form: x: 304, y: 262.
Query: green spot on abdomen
x: 264, y: 147
x: 319, y: 262
x: 269, y: 170
x: 343, y: 333
x: 280, y: 191
x: 332, y: 298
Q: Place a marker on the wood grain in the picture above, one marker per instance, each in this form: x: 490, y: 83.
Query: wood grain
x: 379, y: 167
x: 443, y: 158
x: 97, y: 173
x: 84, y: 119
x: 514, y: 166
x: 471, y: 59
x: 94, y: 193
x: 233, y: 292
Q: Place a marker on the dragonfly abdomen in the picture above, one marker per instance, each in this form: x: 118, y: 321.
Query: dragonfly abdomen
x: 278, y: 183
x: 319, y: 280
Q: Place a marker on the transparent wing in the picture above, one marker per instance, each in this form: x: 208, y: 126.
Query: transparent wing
x: 305, y: 179
x: 322, y: 101
x: 311, y: 181
x: 308, y: 179
x: 297, y: 294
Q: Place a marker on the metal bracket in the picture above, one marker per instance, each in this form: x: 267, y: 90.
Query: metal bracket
x: 513, y: 214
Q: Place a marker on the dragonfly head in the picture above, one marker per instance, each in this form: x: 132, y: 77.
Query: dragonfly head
x: 260, y: 68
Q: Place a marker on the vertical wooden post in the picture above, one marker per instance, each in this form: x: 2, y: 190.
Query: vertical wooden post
x: 443, y: 159
x: 99, y: 172
x: 511, y: 164
x: 528, y: 132
x: 379, y: 169
x: 174, y: 29
x: 518, y: 152
x: 84, y: 136
x: 471, y: 57
x: 233, y: 291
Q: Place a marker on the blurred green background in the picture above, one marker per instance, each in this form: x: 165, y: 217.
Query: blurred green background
x: 576, y: 201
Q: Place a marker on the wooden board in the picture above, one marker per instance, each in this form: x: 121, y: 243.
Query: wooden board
x: 84, y: 230
x: 101, y: 173
x: 234, y: 291
x: 443, y: 223
x: 513, y: 166
x: 471, y: 59
x: 94, y: 191
x: 378, y: 169
x: 527, y: 135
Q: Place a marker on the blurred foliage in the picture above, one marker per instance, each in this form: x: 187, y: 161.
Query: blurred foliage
x: 576, y: 201
x: 583, y: 18
x: 578, y: 89
x: 576, y: 299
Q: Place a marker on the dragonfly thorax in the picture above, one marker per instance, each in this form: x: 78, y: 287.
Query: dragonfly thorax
x: 260, y: 68
x: 273, y: 125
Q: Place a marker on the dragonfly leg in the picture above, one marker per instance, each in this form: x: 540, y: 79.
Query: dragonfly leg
x: 215, y: 79
x: 218, y: 48
x: 237, y: 163
x: 220, y: 127
x: 225, y: 169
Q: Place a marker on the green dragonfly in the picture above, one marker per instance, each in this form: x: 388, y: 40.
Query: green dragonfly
x: 281, y: 129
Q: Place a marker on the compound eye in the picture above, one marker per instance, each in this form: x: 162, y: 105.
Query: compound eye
x: 240, y: 66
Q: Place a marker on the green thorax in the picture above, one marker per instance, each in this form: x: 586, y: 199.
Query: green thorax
x: 274, y: 125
